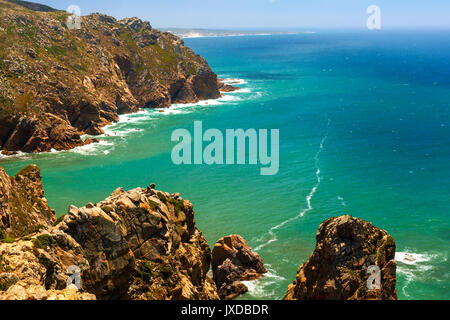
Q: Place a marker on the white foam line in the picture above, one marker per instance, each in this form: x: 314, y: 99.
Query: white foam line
x: 234, y: 81
x: 308, y: 197
x: 257, y: 287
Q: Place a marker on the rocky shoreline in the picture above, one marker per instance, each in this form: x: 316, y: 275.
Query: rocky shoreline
x: 143, y: 244
x: 57, y: 84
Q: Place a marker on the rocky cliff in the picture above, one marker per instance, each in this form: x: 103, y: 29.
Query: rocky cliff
x: 57, y: 84
x: 141, y: 245
x: 23, y: 207
x: 338, y: 268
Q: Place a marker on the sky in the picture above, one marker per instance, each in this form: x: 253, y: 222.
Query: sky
x: 269, y: 14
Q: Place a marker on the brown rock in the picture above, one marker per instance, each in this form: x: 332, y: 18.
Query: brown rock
x: 137, y: 250
x: 23, y: 207
x: 142, y: 245
x: 233, y: 262
x: 337, y: 269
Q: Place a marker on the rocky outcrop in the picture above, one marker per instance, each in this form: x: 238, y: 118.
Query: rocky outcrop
x: 23, y: 207
x: 142, y: 244
x: 57, y: 84
x: 338, y: 268
x: 36, y: 268
x: 234, y: 261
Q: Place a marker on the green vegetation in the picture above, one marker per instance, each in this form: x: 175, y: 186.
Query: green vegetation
x: 166, y: 270
x: 8, y: 240
x: 162, y: 197
x: 382, y: 251
x: 3, y: 286
x: 153, y: 205
x: 59, y: 220
x: 40, y: 227
x: 44, y: 241
x: 178, y: 205
x: 57, y: 50
x: 146, y: 270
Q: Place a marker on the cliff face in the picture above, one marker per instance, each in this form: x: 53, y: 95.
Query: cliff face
x: 337, y: 269
x: 142, y: 244
x: 57, y: 84
x: 23, y: 207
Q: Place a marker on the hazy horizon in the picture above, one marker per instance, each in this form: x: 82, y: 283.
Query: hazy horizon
x: 268, y: 14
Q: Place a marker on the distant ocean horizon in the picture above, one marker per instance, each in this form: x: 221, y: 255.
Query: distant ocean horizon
x: 364, y: 121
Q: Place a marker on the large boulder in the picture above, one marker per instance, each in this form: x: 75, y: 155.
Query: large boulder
x: 339, y: 269
x: 234, y: 261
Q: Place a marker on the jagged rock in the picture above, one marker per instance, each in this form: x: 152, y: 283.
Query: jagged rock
x: 23, y: 207
x: 224, y: 87
x: 337, y: 269
x: 141, y: 244
x: 36, y: 268
x: 234, y: 261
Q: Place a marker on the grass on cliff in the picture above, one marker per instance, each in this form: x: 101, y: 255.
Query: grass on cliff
x: 147, y: 270
x: 178, y: 205
x: 8, y: 240
x: 59, y: 220
x: 44, y: 241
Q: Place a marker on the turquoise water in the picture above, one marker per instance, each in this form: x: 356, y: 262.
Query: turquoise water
x: 364, y: 129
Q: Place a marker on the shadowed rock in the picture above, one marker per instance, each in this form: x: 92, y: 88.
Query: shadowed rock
x: 23, y: 207
x: 337, y: 269
x: 233, y: 262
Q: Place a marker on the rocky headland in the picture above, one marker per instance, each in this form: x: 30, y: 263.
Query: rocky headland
x: 143, y: 244
x: 58, y: 83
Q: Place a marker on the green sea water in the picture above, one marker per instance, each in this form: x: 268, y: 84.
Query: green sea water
x: 364, y: 129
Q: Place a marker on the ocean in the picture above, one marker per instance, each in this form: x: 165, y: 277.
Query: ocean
x: 364, y: 120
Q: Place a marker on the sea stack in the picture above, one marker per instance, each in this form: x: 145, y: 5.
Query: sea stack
x: 339, y: 269
x: 233, y: 261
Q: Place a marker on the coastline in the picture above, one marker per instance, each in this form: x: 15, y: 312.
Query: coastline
x: 97, y: 139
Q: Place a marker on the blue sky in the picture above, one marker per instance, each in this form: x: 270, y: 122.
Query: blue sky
x: 269, y: 14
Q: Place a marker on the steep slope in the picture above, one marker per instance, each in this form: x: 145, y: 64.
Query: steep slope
x: 338, y: 268
x: 23, y: 207
x: 57, y: 84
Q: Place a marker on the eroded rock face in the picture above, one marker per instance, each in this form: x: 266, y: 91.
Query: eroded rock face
x: 234, y: 261
x: 23, y: 207
x: 142, y: 244
x: 57, y: 84
x: 337, y: 269
x: 36, y: 268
